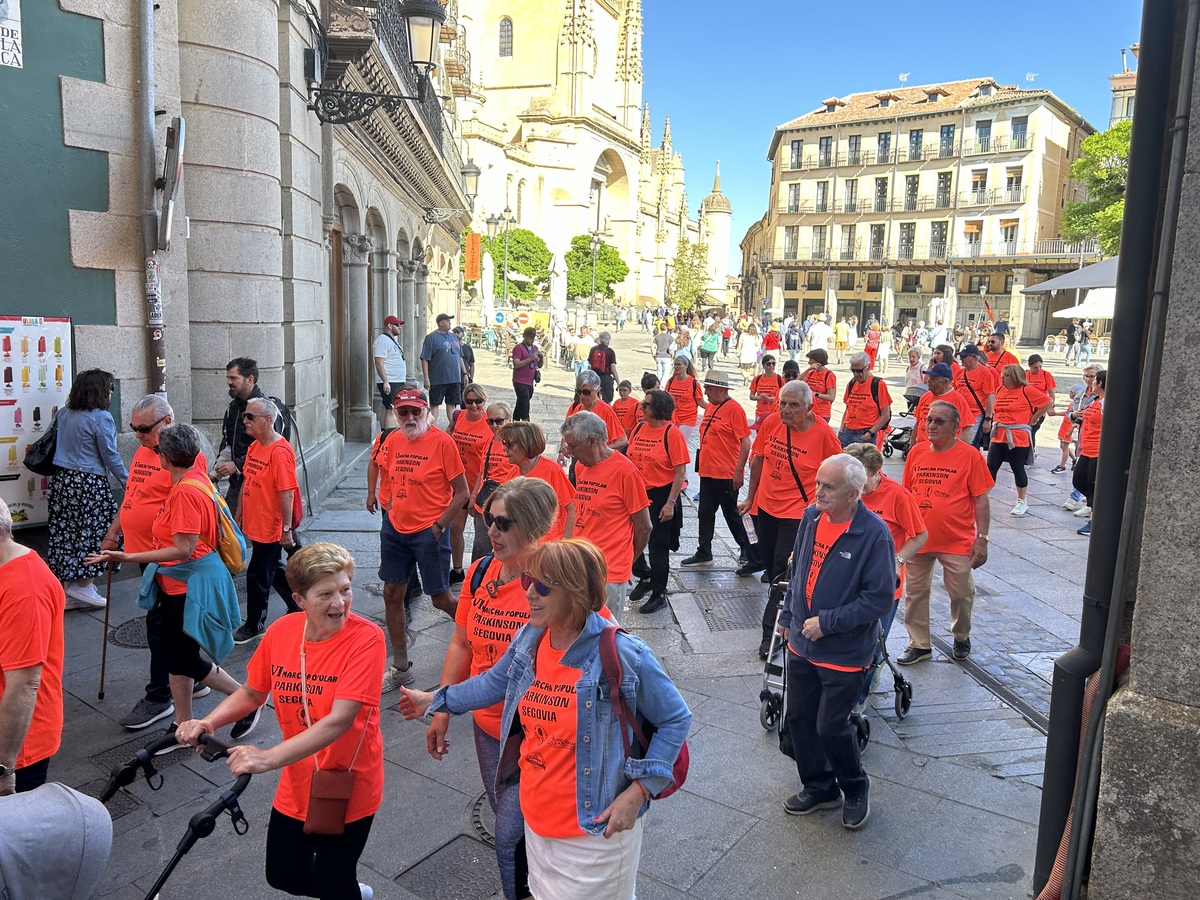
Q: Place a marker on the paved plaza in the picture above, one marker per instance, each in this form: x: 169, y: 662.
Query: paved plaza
x: 956, y: 784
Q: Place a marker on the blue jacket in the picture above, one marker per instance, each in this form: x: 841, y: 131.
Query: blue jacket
x: 210, y: 610
x: 856, y: 585
x: 601, y: 769
x: 87, y: 442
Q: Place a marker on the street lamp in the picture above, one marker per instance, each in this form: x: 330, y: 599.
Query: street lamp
x: 494, y: 225
x: 594, y: 243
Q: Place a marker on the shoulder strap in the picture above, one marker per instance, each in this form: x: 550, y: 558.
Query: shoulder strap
x: 875, y: 382
x: 610, y: 660
x: 383, y: 436
x: 792, y: 463
x: 481, y: 572
x: 971, y: 388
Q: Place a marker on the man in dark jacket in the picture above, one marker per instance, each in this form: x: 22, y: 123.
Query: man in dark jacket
x: 843, y: 580
x: 241, y: 375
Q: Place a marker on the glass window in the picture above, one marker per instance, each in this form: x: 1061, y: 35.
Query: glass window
x: 884, y: 147
x: 791, y: 280
x: 916, y: 139
x: 506, y: 37
x: 946, y: 141
x: 797, y: 154
x: 815, y: 281
x: 874, y: 282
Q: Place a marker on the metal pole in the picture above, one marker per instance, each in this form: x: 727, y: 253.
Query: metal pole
x: 505, y: 299
x: 156, y: 347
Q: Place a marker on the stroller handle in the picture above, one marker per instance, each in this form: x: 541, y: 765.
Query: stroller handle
x: 212, y: 749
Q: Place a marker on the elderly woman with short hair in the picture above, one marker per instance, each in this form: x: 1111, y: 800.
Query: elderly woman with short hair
x: 588, y: 399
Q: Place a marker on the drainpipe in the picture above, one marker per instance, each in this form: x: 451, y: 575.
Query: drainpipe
x: 156, y: 347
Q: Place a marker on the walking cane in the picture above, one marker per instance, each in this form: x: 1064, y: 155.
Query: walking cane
x: 104, y: 640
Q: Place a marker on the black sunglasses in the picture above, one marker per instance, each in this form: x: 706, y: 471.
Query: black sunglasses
x: 857, y: 371
x: 503, y: 523
x: 790, y: 376
x: 146, y: 429
x: 474, y: 401
x: 246, y: 417
x: 497, y: 422
x: 543, y: 587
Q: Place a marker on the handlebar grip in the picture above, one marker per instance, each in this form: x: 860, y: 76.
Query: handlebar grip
x: 211, y: 748
x: 160, y: 743
x: 243, y: 782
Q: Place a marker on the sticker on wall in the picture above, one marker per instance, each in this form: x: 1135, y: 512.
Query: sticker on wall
x: 10, y: 33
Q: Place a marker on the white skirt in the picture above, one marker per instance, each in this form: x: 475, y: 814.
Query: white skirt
x: 588, y: 867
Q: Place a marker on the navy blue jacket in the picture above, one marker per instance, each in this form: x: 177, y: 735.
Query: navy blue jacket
x: 855, y: 587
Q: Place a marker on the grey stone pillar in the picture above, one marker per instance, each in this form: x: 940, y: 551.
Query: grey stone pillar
x: 951, y: 303
x: 385, y: 280
x: 421, y: 311
x: 412, y: 334
x: 360, y: 418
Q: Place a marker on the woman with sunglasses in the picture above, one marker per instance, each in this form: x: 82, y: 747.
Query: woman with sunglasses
x: 587, y: 399
x: 472, y: 435
x: 582, y: 798
x: 685, y: 390
x: 524, y: 443
x: 494, y: 470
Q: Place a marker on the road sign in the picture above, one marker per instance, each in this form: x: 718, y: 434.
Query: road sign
x: 522, y: 318
x: 499, y: 318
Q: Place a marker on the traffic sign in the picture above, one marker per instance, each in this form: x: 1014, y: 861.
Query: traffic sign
x: 499, y: 318
x: 522, y: 318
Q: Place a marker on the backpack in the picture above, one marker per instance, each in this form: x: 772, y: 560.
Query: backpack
x: 875, y: 382
x: 481, y: 572
x: 231, y: 543
x: 383, y: 436
x: 598, y: 359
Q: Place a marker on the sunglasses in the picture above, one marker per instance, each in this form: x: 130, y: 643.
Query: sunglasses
x: 146, y: 429
x: 474, y: 401
x: 586, y: 392
x: 857, y: 371
x: 497, y: 422
x: 767, y: 362
x: 543, y: 587
x: 246, y: 417
x: 790, y: 376
x: 409, y: 412
x: 503, y: 523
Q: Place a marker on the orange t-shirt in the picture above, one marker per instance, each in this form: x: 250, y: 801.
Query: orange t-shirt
x: 984, y: 381
x: 900, y: 513
x: 1089, y: 429
x: 31, y: 606
x: 685, y: 392
x: 961, y: 403
x: 629, y: 412
x: 777, y: 492
x: 765, y: 386
x: 945, y: 486
x: 549, y: 716
x: 655, y: 462
x: 551, y: 472
x: 415, y: 478
x: 1043, y: 380
x: 187, y: 510
x: 721, y: 436
x: 1000, y: 360
x: 491, y: 616
x: 347, y: 666
x: 616, y: 430
x: 268, y: 471
x: 495, y: 467
x: 821, y: 381
x: 606, y: 495
x: 471, y: 439
x: 1016, y: 408
x: 861, y: 411
x: 826, y: 536
x: 145, y: 492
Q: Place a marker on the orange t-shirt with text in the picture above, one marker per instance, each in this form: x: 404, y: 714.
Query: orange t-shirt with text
x: 1015, y: 407
x: 606, y: 495
x: 821, y: 381
x: 778, y: 493
x: 921, y: 430
x: 491, y: 616
x: 1043, y: 380
x: 1089, y: 429
x: 945, y: 486
x: 1000, y: 360
x: 415, y: 478
x: 900, y: 513
x: 629, y: 412
x: 347, y: 666
x: 826, y: 536
x: 471, y: 439
x: 616, y: 430
x: 145, y: 492
x: 983, y: 380
x: 721, y: 436
x: 686, y: 393
x: 655, y: 462
x: 552, y: 473
x: 549, y: 718
x: 767, y: 386
x: 861, y: 411
x: 31, y: 606
x: 187, y: 510
x: 268, y: 471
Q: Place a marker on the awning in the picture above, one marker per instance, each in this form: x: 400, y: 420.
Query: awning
x: 1099, y: 304
x: 1101, y: 275
x: 972, y: 227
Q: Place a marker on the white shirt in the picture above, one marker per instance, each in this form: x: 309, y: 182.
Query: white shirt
x: 819, y: 336
x: 388, y: 349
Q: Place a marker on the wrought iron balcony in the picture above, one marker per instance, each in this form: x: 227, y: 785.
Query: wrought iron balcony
x: 818, y: 252
x: 878, y: 252
x: 906, y: 250
x: 1015, y: 194
x: 821, y: 206
x: 943, y: 199
x: 937, y: 249
x: 854, y: 205
x: 881, y: 204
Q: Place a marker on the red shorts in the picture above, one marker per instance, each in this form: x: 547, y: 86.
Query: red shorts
x: 1065, y: 429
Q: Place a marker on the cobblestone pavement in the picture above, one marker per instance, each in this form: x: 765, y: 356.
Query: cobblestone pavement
x: 955, y: 784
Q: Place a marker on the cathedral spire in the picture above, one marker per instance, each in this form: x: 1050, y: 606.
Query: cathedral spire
x: 629, y: 42
x: 645, y: 130
x: 666, y: 141
x: 717, y: 180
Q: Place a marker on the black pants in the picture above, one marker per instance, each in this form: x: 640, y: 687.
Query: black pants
x: 1017, y: 457
x: 524, y: 394
x: 263, y: 573
x: 233, y: 494
x: 606, y: 387
x: 719, y: 493
x: 182, y: 651
x: 819, y: 701
x: 776, y: 538
x: 32, y: 776
x: 315, y: 865
x: 664, y: 537
x: 1083, y: 479
x: 158, y: 688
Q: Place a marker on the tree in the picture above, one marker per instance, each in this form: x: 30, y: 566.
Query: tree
x: 1103, y: 168
x: 689, y: 273
x: 527, y: 254
x: 610, y: 268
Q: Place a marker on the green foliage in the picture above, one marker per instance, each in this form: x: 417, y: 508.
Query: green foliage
x: 527, y: 254
x: 610, y: 268
x: 689, y: 274
x: 1103, y: 168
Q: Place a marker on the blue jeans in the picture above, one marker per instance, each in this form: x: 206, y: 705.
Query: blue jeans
x: 580, y: 366
x: 663, y: 365
x: 398, y: 553
x: 510, y: 823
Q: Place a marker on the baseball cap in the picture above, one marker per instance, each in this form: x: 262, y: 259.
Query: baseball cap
x: 410, y: 397
x: 969, y: 350
x: 940, y: 370
x: 443, y: 317
x: 392, y: 320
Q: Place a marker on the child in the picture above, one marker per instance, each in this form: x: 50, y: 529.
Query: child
x: 1066, y: 439
x: 628, y: 410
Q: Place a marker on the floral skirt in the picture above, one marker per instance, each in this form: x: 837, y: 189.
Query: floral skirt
x: 82, y: 508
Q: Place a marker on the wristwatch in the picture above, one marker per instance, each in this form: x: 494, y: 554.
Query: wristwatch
x: 987, y: 539
x: 900, y: 560
x: 5, y: 771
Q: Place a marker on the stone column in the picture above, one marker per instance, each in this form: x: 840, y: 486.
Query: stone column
x: 360, y: 418
x: 951, y: 303
x: 412, y: 333
x: 887, y: 300
x: 383, y: 270
x: 1016, y: 308
x: 831, y: 297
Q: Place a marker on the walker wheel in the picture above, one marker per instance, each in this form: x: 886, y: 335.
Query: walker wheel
x: 887, y: 450
x: 903, y: 698
x: 768, y: 712
x: 862, y: 727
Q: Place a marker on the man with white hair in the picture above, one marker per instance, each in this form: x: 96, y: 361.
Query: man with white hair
x: 31, y: 663
x: 270, y: 493
x: 422, y: 487
x: 602, y: 360
x: 843, y: 581
x: 868, y: 405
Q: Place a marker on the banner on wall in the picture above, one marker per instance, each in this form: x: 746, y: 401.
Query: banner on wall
x: 10, y: 33
x: 35, y: 359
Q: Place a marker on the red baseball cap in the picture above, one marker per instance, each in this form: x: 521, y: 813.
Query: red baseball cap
x: 410, y: 397
x: 392, y: 320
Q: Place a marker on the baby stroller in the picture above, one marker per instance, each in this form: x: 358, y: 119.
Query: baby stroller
x: 900, y: 431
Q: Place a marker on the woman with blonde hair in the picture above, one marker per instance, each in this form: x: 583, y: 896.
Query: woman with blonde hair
x: 1018, y: 405
x: 524, y: 443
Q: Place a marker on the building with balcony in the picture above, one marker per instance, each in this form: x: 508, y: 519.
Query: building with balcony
x: 929, y: 202
x: 1124, y: 86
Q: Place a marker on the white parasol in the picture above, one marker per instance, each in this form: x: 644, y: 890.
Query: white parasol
x: 558, y: 283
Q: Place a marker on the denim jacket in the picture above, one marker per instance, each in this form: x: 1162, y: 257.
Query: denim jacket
x: 601, y: 769
x: 87, y: 442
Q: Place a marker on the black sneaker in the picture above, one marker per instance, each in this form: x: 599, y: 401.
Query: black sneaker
x: 244, y: 635
x: 457, y: 576
x: 640, y: 590
x: 856, y: 810
x: 697, y: 559
x: 962, y: 649
x: 146, y: 712
x: 751, y: 568
x: 806, y: 802
x: 654, y: 604
x: 913, y: 655
x: 245, y: 725
x: 765, y: 578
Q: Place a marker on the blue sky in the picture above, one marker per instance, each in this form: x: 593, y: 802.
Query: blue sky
x: 728, y: 73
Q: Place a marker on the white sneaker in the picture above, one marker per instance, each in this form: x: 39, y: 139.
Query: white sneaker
x: 366, y: 891
x: 1021, y: 509
x: 88, y: 596
x: 1070, y: 504
x: 1084, y: 512
x: 393, y: 678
